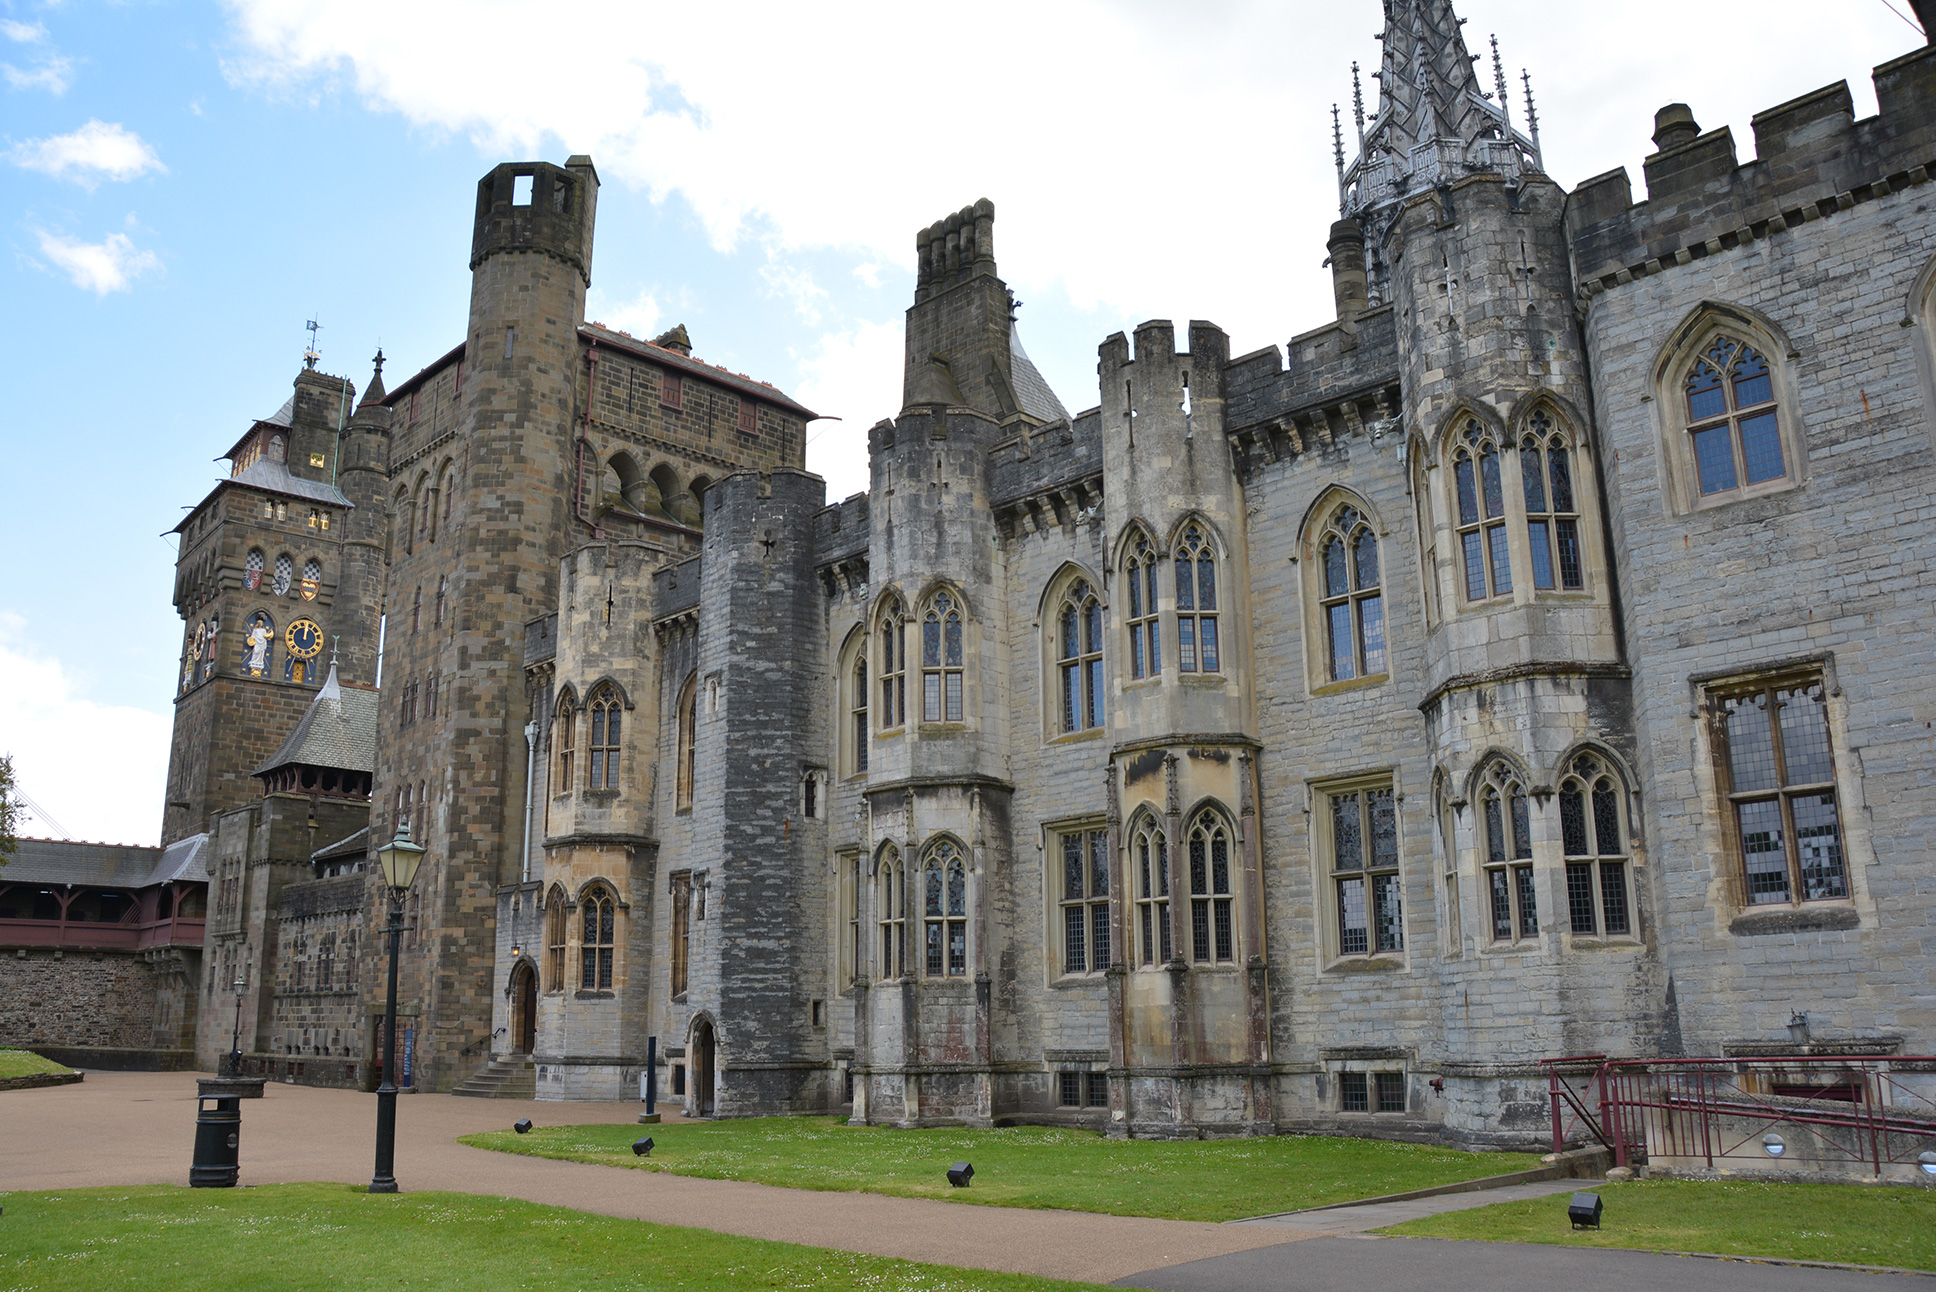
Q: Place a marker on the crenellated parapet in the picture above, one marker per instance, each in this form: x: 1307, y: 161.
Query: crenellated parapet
x: 1813, y: 160
x: 954, y: 248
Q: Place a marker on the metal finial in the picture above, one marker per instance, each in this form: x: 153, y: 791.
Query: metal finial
x: 1337, y: 148
x: 1499, y: 86
x: 1532, y: 118
x: 1358, y: 103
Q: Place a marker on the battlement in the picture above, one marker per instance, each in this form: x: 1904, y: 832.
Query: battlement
x: 1156, y: 349
x: 535, y: 206
x: 1813, y: 158
x: 955, y: 248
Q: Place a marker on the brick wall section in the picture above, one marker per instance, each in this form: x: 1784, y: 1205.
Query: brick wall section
x: 105, y: 998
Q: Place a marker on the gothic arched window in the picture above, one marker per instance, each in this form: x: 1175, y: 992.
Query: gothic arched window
x: 685, y: 762
x: 893, y: 635
x: 1196, y: 603
x: 941, y: 660
x: 1597, y: 899
x: 859, y: 731
x: 1354, y: 606
x: 1484, y: 548
x: 944, y: 910
x: 252, y: 568
x: 1150, y: 859
x: 443, y: 585
x: 1732, y: 418
x: 890, y: 909
x: 1145, y: 635
x: 564, y: 735
x: 1508, y: 853
x: 1212, y: 933
x: 1552, y: 512
x: 596, y: 947
x: 1079, y: 657
x: 606, y: 712
x: 285, y: 574
x: 555, y: 939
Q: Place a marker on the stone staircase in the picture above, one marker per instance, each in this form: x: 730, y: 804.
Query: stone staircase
x: 512, y: 1078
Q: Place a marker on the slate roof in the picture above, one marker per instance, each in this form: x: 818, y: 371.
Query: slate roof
x: 697, y: 367
x: 107, y: 865
x: 338, y: 731
x: 1031, y: 391
x: 355, y: 845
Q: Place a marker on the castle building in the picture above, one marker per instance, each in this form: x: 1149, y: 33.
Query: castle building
x: 1508, y: 668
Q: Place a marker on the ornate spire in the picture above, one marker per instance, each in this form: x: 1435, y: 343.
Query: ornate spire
x: 1434, y: 122
x: 375, y: 393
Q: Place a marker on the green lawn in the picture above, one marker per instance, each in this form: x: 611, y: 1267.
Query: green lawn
x: 1026, y: 1166
x: 304, y: 1237
x: 25, y: 1063
x: 1850, y: 1223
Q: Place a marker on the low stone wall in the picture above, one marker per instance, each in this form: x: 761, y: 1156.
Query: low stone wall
x: 108, y: 1058
x: 39, y: 1079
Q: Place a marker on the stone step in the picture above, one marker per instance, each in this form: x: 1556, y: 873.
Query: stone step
x: 501, y: 1079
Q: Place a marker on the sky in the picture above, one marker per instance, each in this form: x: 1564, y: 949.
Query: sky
x: 183, y: 186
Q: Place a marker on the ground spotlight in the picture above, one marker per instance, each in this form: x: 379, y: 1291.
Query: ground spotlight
x: 642, y: 1147
x: 960, y: 1174
x: 1773, y: 1145
x: 1584, y: 1211
x: 522, y: 1125
x: 1927, y: 1161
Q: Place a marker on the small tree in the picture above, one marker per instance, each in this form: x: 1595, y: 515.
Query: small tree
x: 9, y: 811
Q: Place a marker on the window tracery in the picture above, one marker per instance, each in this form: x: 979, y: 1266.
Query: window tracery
x: 1484, y: 548
x: 941, y: 660
x: 1552, y: 511
x: 1733, y: 425
x: 607, y: 713
x: 944, y: 910
x: 890, y: 909
x: 1084, y: 901
x: 555, y: 939
x: 893, y: 636
x: 564, y: 733
x: 1196, y: 603
x: 1510, y: 891
x: 1778, y: 766
x: 685, y: 756
x: 1212, y: 933
x: 1364, y: 867
x: 1598, y: 900
x: 1079, y: 657
x: 1145, y: 636
x: 1150, y: 858
x: 859, y: 729
x: 597, y: 946
x: 1353, y: 600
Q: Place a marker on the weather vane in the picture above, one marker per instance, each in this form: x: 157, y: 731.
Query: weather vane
x: 311, y: 354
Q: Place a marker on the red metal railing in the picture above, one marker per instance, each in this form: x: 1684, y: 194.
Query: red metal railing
x: 1858, y: 1113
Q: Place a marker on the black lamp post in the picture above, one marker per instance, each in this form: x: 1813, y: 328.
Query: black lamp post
x: 398, y: 861
x: 235, y: 1041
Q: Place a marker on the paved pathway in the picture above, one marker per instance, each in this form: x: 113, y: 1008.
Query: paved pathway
x: 1356, y: 1220
x: 138, y: 1128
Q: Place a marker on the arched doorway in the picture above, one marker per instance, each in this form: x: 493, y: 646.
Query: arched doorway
x: 524, y: 1008
x: 702, y: 1068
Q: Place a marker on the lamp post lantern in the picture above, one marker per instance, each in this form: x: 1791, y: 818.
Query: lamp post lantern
x: 398, y: 860
x: 235, y: 1040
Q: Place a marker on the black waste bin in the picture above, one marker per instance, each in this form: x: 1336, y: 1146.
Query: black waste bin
x: 218, y: 1130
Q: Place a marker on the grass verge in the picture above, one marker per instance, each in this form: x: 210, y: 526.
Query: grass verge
x: 305, y: 1237
x: 1851, y: 1224
x: 1026, y: 1166
x: 25, y: 1063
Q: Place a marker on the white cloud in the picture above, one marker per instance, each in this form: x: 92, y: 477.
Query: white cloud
x: 98, y: 150
x: 56, y: 734
x: 639, y: 316
x: 51, y: 73
x: 22, y: 33
x: 1147, y: 158
x: 110, y: 265
x: 796, y: 286
x: 856, y: 376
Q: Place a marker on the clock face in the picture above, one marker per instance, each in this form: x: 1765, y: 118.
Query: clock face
x: 305, y: 639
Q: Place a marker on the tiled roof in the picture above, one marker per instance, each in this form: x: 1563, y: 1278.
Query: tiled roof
x: 355, y: 845
x: 710, y: 372
x: 107, y: 865
x: 1037, y: 400
x: 338, y: 731
x: 273, y: 477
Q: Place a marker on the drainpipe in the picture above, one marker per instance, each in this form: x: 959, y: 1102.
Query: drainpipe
x: 530, y: 770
